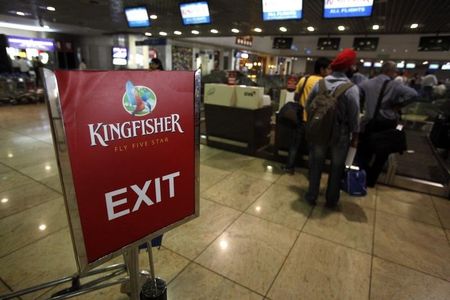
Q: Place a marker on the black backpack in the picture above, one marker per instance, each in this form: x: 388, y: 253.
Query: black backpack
x: 322, y: 114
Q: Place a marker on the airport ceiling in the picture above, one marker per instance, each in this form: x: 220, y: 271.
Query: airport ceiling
x: 393, y: 17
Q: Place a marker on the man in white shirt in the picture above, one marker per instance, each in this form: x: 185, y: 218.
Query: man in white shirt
x: 428, y: 82
x: 24, y: 65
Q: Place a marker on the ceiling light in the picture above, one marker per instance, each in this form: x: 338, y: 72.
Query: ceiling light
x: 4, y: 200
x: 376, y: 27
x: 414, y: 26
x: 162, y: 33
x: 235, y: 30
x: 425, y: 62
x: 51, y: 8
x: 257, y: 29
x: 176, y: 32
x: 283, y: 29
x: 361, y: 60
x: 19, y: 13
x: 148, y: 34
x: 48, y: 168
x: 341, y: 28
x: 195, y: 32
x: 310, y: 28
x: 10, y: 155
x: 214, y: 31
x: 153, y: 17
x: 42, y: 227
x: 24, y: 27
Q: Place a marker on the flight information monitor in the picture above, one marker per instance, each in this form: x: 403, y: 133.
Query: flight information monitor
x: 347, y: 8
x: 282, y: 10
x: 194, y: 13
x: 137, y: 16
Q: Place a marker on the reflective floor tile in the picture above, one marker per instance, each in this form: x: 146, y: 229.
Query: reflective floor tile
x: 238, y: 191
x: 23, y: 197
x: 299, y: 179
x: 390, y: 193
x: 210, y: 176
x: 318, y: 269
x: 193, y: 237
x: 263, y: 169
x: 227, y: 161
x: 53, y: 182
x: 250, y: 252
x: 392, y: 281
x: 411, y: 211
x: 207, y: 152
x: 32, y: 224
x: 367, y: 201
x: 11, y: 179
x: 25, y: 161
x: 4, y: 289
x: 283, y: 205
x: 351, y: 225
x: 42, y: 170
x: 198, y: 283
x: 413, y: 244
x: 47, y: 259
x: 443, y: 209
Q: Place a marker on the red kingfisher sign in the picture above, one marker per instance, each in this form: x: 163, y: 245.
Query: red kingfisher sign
x: 132, y: 146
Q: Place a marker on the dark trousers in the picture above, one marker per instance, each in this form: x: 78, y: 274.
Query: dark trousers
x: 298, y: 135
x: 366, y: 157
x: 317, y: 157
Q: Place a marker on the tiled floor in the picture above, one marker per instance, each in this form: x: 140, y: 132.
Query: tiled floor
x: 255, y: 237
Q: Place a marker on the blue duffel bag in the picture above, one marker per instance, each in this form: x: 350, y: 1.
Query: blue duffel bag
x: 354, y: 182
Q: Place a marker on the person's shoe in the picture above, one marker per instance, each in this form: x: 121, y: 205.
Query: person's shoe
x: 311, y: 202
x: 331, y: 206
x: 287, y: 170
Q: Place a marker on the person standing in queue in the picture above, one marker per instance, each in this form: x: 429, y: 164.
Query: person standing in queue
x: 342, y: 128
x: 303, y: 89
x: 156, y: 64
x: 393, y: 96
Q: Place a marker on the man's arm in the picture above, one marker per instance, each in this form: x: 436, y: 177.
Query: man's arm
x: 404, y: 95
x: 353, y: 114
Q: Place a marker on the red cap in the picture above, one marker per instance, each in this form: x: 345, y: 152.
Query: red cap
x: 344, y: 60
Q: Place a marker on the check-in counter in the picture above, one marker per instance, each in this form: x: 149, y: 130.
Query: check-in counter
x: 243, y: 127
x: 220, y: 94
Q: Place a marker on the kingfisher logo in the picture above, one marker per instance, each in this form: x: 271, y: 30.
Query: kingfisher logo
x: 138, y: 100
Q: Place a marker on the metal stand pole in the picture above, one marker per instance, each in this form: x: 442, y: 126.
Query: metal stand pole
x: 131, y: 258
x: 153, y: 288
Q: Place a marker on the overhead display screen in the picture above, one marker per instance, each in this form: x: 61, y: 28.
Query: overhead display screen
x: 347, y: 8
x: 434, y: 43
x: 137, y: 16
x: 194, y: 13
x: 328, y: 43
x: 282, y: 43
x: 365, y: 44
x: 282, y: 10
x: 433, y: 66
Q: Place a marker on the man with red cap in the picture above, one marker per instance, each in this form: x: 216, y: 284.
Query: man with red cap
x: 345, y: 129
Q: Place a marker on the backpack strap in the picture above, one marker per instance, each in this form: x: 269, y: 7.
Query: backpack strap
x: 340, y: 90
x: 322, y: 87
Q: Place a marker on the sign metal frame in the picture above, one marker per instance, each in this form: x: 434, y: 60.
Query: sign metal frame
x: 63, y: 160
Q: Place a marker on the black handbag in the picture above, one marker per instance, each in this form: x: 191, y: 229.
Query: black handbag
x: 291, y: 113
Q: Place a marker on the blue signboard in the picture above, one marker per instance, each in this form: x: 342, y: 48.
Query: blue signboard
x: 347, y: 8
x: 195, y: 13
x: 282, y: 9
